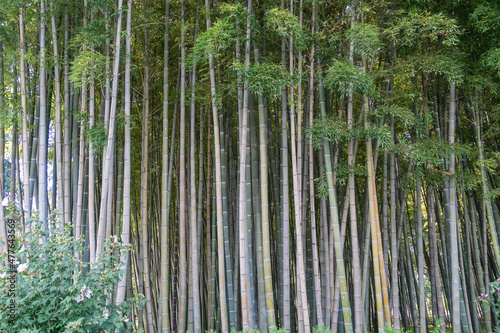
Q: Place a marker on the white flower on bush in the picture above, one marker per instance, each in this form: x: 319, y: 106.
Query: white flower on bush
x: 3, y: 275
x: 88, y: 293
x: 79, y: 298
x: 21, y: 268
x: 82, y: 290
x: 106, y: 315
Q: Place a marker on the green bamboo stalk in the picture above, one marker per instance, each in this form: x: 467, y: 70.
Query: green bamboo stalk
x: 58, y: 129
x: 285, y: 309
x: 42, y: 150
x: 257, y: 219
x: 252, y: 275
x: 420, y: 261
x: 485, y: 187
x: 183, y: 291
x: 339, y: 255
x: 24, y: 123
x: 164, y: 321
x: 194, y: 279
x: 109, y: 146
x: 453, y: 223
x: 199, y: 222
x: 434, y: 269
x: 394, y: 239
x: 409, y: 276
x: 477, y: 262
x: 218, y: 190
x: 125, y: 232
x: 315, y: 260
x: 225, y: 219
x: 325, y: 248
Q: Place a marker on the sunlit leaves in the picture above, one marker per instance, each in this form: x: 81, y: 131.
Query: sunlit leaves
x: 53, y: 293
x: 98, y: 135
x: 418, y: 27
x: 216, y: 39
x: 284, y: 23
x: 90, y: 64
x: 343, y: 77
x: 264, y: 78
x: 223, y: 33
x: 236, y: 14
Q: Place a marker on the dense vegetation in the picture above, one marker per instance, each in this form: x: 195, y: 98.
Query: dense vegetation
x: 253, y: 164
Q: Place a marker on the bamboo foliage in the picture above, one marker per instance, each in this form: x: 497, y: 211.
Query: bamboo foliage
x: 182, y: 188
x: 245, y: 282
x: 453, y: 220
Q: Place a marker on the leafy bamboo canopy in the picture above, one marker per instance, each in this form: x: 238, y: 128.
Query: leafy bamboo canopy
x: 491, y: 128
x: 265, y: 78
x: 446, y: 64
x: 223, y: 33
x: 365, y: 40
x: 285, y: 24
x: 427, y: 154
x: 486, y: 18
x: 491, y: 161
x: 402, y: 115
x: 416, y: 28
x: 236, y: 14
x: 89, y: 62
x: 491, y: 59
x: 88, y: 65
x: 343, y: 171
x: 215, y: 40
x: 336, y: 130
x: 98, y: 133
x: 481, y: 81
x: 343, y: 77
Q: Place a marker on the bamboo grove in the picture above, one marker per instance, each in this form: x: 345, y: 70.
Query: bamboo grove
x: 272, y: 164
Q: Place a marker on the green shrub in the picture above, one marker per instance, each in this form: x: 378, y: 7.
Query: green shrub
x: 52, y: 295
x: 492, y: 299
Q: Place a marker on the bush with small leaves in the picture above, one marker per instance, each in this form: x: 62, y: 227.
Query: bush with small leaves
x: 492, y: 299
x: 56, y: 292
